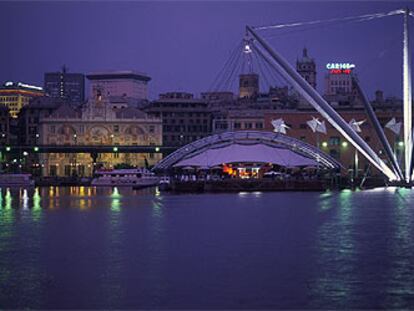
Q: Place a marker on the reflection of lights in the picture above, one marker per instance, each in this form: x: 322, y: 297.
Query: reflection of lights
x: 257, y: 193
x: 25, y: 199
x: 391, y: 189
x: 378, y: 189
x: 157, y: 191
x: 116, y: 202
x: 82, y: 203
x: 8, y: 199
x: 115, y: 193
x: 36, y: 199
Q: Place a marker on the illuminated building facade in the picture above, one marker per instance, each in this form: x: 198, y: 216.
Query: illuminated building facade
x: 341, y: 89
x: 97, y: 123
x: 64, y: 85
x: 16, y: 95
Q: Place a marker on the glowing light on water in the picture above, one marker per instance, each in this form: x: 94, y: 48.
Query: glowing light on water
x: 25, y: 199
x: 116, y: 202
x: 8, y: 199
x: 36, y: 200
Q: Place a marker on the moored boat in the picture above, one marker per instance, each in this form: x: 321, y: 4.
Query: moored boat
x: 137, y: 177
x: 16, y: 180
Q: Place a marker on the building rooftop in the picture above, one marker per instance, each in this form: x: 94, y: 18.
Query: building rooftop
x: 10, y: 86
x: 113, y: 75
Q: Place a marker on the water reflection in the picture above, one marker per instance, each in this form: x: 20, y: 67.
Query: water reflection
x: 158, y: 249
x: 325, y: 201
x: 335, y: 253
x: 401, y: 251
x: 115, y: 200
x: 111, y: 278
x: 129, y: 247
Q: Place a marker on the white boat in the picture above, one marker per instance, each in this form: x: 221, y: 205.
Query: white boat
x: 137, y: 177
x: 16, y: 180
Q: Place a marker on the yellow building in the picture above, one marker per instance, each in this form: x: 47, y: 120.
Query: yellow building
x: 98, y: 123
x: 15, y: 95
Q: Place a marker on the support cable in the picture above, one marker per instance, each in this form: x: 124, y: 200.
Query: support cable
x: 365, y: 17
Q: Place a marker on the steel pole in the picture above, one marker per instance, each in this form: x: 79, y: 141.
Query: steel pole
x: 408, y: 144
x: 380, y: 132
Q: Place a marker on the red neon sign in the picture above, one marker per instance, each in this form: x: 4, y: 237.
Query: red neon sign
x: 340, y: 71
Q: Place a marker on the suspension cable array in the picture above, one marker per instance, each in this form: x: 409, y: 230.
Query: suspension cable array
x: 282, y: 67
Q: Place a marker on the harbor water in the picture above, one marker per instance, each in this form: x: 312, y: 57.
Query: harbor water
x: 83, y: 248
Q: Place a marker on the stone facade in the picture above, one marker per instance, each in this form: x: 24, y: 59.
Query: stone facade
x: 97, y: 124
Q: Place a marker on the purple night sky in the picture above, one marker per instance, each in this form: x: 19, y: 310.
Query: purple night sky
x: 183, y: 45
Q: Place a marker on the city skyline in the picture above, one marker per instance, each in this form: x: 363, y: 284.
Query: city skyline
x: 186, y: 45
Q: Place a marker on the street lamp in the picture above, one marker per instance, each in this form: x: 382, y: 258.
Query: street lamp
x: 344, y: 144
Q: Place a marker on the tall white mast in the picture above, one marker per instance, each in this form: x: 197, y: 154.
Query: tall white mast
x: 408, y: 142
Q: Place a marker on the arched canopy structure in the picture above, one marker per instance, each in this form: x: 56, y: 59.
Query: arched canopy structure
x: 248, y: 146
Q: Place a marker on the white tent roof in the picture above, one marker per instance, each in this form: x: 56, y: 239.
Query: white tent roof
x: 237, y: 153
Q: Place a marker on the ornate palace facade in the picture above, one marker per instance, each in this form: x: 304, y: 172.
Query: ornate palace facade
x: 97, y: 123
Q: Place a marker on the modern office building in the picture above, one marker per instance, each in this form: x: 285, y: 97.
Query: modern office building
x: 65, y: 85
x: 119, y: 83
x: 16, y: 95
